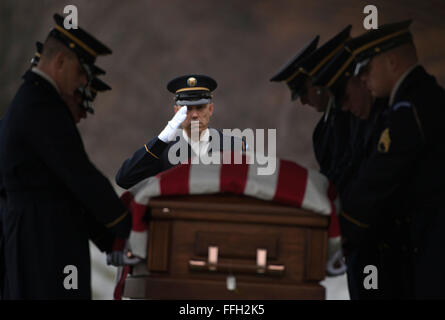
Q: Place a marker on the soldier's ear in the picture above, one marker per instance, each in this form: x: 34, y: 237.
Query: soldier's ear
x: 176, y: 108
x: 59, y: 60
x: 392, y: 61
x: 211, y: 108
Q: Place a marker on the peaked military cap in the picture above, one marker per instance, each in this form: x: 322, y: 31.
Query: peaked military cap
x: 291, y: 74
x: 85, y: 46
x: 192, y: 89
x: 337, y: 71
x: 313, y: 64
x: 379, y: 40
x: 95, y: 70
x: 99, y: 85
x: 89, y: 93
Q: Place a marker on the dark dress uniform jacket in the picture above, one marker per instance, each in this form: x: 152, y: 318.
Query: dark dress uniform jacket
x: 2, y: 240
x: 400, y: 189
x: 54, y: 195
x: 358, y: 257
x: 152, y: 158
x: 330, y: 142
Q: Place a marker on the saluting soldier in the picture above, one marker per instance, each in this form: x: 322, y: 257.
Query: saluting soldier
x: 332, y: 129
x: 400, y: 186
x: 193, y: 104
x: 53, y: 190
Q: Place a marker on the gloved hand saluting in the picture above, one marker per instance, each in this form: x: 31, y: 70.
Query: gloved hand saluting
x: 168, y: 134
x: 121, y: 254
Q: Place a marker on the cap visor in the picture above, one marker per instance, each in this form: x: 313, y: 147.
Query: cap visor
x: 192, y: 102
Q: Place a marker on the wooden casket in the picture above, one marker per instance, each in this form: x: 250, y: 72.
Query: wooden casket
x: 231, y: 247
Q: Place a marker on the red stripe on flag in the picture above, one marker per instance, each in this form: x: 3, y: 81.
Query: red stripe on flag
x: 175, y: 180
x: 233, y: 177
x: 118, y: 244
x: 291, y: 184
x: 119, y: 290
x: 137, y: 215
x: 137, y: 212
x: 334, y: 227
x: 126, y: 199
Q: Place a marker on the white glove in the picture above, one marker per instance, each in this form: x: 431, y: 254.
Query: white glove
x: 120, y: 258
x: 335, y: 264
x: 168, y: 134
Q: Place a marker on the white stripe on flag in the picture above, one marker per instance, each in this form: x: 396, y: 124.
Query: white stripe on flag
x: 261, y: 186
x: 138, y: 243
x: 146, y: 189
x: 204, y: 178
x: 316, y: 194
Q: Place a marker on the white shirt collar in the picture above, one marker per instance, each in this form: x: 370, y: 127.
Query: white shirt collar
x: 46, y: 77
x: 203, y: 137
x: 399, y: 82
x: 201, y: 146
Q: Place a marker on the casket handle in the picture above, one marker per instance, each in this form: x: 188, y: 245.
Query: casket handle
x: 213, y: 265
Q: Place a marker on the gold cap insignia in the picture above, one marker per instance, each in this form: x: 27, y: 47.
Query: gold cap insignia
x: 72, y: 45
x: 191, y: 82
x: 384, y: 142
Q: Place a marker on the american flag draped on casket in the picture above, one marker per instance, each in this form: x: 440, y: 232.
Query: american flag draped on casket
x: 290, y: 184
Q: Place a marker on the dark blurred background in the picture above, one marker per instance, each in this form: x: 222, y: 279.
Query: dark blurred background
x: 239, y: 43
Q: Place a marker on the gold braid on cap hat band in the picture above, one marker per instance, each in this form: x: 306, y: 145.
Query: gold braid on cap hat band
x: 368, y: 45
x: 340, y: 71
x: 358, y: 50
x: 294, y: 75
x: 318, y: 66
x: 191, y: 89
x: 326, y: 59
x: 77, y: 41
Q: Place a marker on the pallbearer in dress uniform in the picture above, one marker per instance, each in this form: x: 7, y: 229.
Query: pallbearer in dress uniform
x: 352, y: 95
x: 400, y: 186
x: 331, y: 135
x: 84, y: 96
x: 53, y: 191
x: 193, y: 102
x: 2, y: 240
x: 332, y: 129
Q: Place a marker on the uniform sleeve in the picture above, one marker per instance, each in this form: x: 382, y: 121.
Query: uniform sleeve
x: 50, y: 132
x: 145, y: 162
x: 101, y: 236
x: 396, y: 150
x: 339, y: 136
